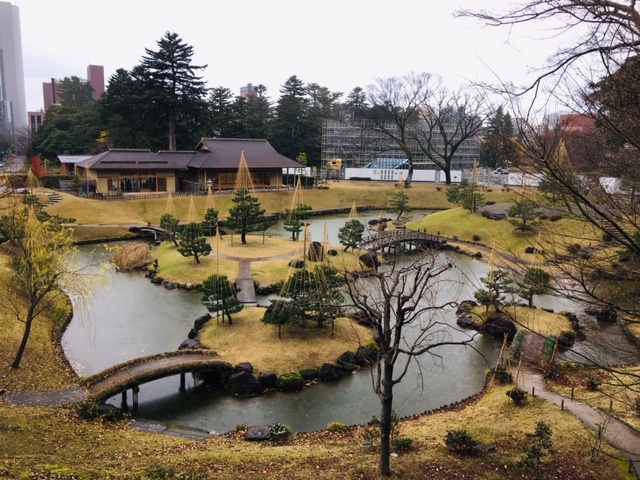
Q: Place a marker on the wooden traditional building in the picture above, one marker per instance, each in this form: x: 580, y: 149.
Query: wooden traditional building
x: 214, y: 162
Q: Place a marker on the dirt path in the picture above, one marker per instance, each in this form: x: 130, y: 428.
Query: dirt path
x: 617, y: 433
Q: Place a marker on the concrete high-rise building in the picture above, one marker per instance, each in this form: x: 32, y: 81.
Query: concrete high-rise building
x: 13, y: 104
x: 95, y: 76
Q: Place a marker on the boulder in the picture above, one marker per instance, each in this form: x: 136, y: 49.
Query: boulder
x: 493, y: 216
x: 370, y: 260
x: 243, y: 367
x: 200, y: 321
x: 309, y: 374
x: 192, y: 334
x: 365, y: 356
x: 347, y: 361
x: 296, y: 263
x: 330, y: 372
x: 497, y: 327
x: 566, y: 339
x: 192, y: 344
x: 257, y: 433
x: 168, y: 285
x: 332, y: 252
x: 244, y: 383
x: 267, y: 378
x: 316, y: 252
x: 606, y: 315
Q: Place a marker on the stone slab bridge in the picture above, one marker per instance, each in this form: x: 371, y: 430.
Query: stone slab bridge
x: 402, y: 239
x: 133, y: 373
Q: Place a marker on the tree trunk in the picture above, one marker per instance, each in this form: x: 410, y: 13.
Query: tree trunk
x: 385, y: 419
x: 447, y: 176
x: 196, y: 256
x: 23, y: 344
x: 407, y: 181
x: 172, y: 132
x: 243, y: 237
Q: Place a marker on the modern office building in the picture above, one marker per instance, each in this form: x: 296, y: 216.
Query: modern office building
x: 35, y: 121
x: 13, y: 104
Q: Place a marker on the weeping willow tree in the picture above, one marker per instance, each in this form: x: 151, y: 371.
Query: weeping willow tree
x: 42, y: 272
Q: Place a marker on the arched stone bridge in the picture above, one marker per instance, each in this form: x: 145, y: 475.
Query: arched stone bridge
x: 395, y: 238
x: 133, y: 373
x: 128, y: 375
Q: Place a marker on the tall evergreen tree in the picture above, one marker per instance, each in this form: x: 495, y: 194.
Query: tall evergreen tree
x: 176, y: 93
x: 498, y: 148
x: 291, y: 124
x: 75, y: 93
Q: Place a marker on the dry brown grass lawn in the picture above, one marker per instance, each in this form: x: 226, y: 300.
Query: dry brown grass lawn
x: 248, y: 339
x: 52, y: 442
x: 264, y: 270
x: 534, y: 319
x: 340, y: 194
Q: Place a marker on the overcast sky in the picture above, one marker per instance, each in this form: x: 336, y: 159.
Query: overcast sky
x: 338, y: 44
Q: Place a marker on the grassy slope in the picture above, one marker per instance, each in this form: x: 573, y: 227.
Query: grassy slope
x: 339, y: 194
x: 38, y: 440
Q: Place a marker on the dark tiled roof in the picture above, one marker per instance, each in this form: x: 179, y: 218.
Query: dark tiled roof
x: 210, y: 153
x: 130, y: 159
x: 224, y: 153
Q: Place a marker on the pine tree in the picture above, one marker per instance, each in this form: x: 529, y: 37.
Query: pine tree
x: 220, y: 295
x: 351, y: 234
x: 191, y: 242
x: 175, y: 91
x: 170, y: 225
x: 211, y: 221
x: 246, y: 215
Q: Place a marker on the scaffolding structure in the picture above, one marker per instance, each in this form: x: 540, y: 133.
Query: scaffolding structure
x: 360, y: 145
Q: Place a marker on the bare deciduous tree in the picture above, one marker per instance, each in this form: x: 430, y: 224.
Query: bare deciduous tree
x: 395, y: 106
x: 401, y: 303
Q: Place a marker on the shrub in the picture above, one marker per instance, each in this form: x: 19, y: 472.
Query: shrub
x: 475, y: 238
x: 278, y: 432
x: 553, y: 371
x: 403, y: 443
x: 502, y: 374
x: 460, y: 442
x: 290, y: 382
x: 372, y: 345
x: 336, y: 427
x: 593, y: 384
x: 574, y: 248
x: 132, y: 257
x: 517, y: 395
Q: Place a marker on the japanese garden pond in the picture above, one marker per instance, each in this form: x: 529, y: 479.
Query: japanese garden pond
x: 129, y: 317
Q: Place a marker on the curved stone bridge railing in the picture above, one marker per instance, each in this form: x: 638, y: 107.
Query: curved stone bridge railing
x: 133, y: 373
x: 387, y: 239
